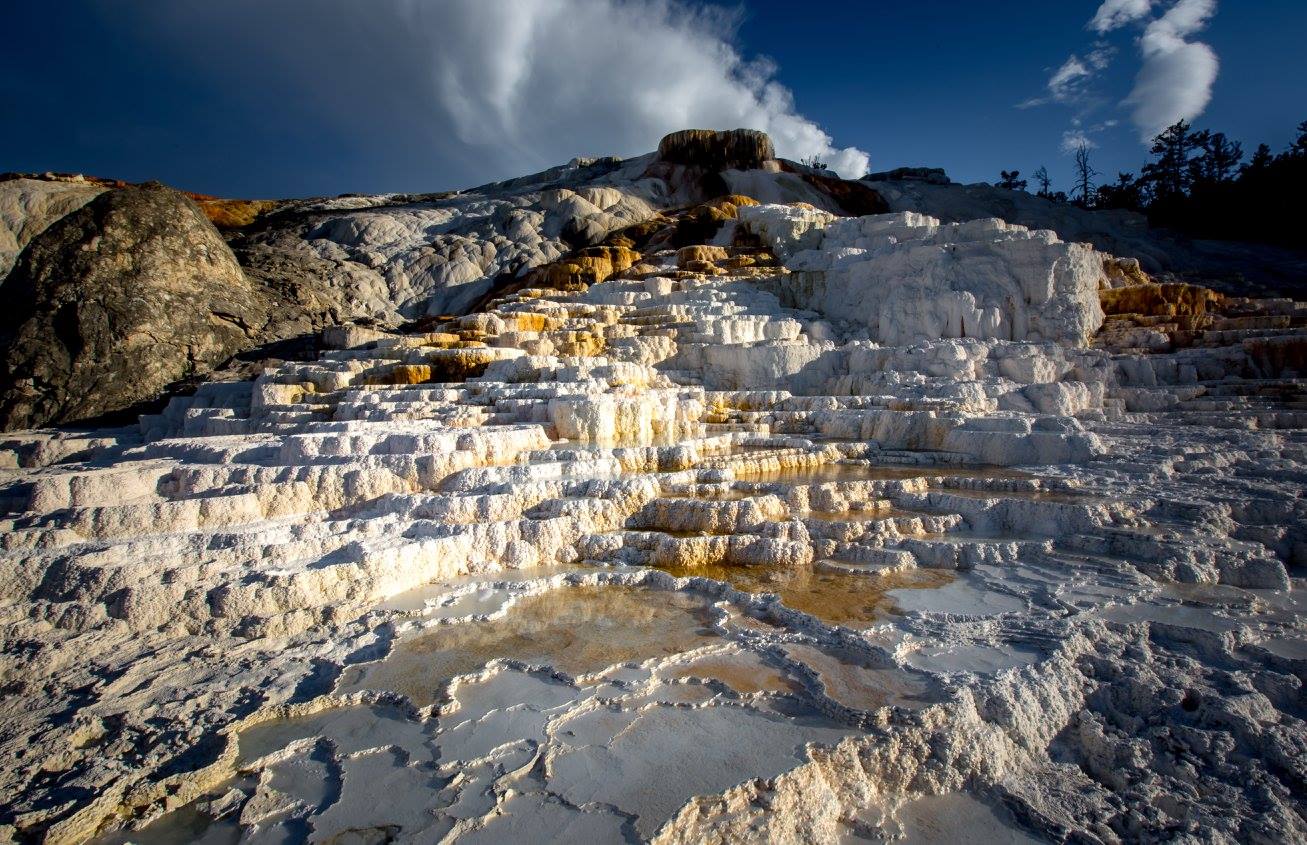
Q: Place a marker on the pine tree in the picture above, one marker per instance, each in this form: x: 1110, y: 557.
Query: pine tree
x: 1171, y: 174
x: 1011, y: 180
x: 1126, y: 193
x: 1298, y: 149
x: 1260, y: 161
x: 1220, y: 159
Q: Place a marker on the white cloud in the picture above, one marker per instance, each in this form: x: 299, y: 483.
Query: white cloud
x: 1074, y: 139
x: 501, y: 87
x: 1069, y: 83
x: 1113, y: 14
x: 1062, y: 84
x: 1082, y: 134
x: 1175, y: 81
x: 1101, y: 56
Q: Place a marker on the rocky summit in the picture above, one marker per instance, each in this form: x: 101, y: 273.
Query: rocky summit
x: 696, y: 497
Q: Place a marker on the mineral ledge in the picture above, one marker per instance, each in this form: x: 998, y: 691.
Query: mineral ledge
x: 829, y: 529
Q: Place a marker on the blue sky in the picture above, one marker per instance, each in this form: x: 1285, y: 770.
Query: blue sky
x: 937, y: 83
x: 303, y: 97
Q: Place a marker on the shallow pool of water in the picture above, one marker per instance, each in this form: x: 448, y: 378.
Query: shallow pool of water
x: 577, y: 630
x: 743, y: 671
x: 965, y: 595
x: 837, y: 598
x: 977, y: 658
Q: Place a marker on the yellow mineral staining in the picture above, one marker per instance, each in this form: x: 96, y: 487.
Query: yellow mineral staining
x: 635, y: 236
x: 442, y: 364
x: 1154, y: 300
x: 579, y: 343
x: 1158, y: 316
x: 642, y: 270
x: 410, y: 374
x: 460, y: 364
x: 783, y: 465
x: 703, y: 260
x: 702, y: 553
x: 721, y: 209
x: 586, y: 267
x: 732, y: 203
x: 701, y: 254
x: 441, y: 340
x: 236, y: 214
x: 717, y: 412
x: 737, y: 262
x: 1122, y: 272
x: 530, y: 321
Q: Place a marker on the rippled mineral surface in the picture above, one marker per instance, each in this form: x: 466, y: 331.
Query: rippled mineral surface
x: 702, y: 552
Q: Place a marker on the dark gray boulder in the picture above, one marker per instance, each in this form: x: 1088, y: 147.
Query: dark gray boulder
x: 116, y: 301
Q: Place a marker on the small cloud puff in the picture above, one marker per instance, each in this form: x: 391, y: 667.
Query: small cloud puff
x: 1074, y: 139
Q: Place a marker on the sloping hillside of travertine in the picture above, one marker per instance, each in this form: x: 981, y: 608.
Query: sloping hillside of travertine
x: 747, y: 522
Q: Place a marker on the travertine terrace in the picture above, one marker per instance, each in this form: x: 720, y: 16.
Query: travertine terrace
x: 818, y: 528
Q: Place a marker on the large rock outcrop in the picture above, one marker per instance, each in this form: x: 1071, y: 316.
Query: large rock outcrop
x: 116, y: 301
x: 696, y: 165
x: 739, y: 149
x: 393, y: 261
x: 908, y: 278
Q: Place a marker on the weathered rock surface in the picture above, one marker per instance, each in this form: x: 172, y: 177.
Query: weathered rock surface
x: 845, y: 580
x: 28, y: 206
x: 111, y: 304
x: 736, y: 149
x: 908, y: 278
x: 1238, y: 268
x: 390, y: 260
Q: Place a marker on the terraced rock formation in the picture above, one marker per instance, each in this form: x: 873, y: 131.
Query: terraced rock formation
x: 383, y: 261
x: 1236, y: 267
x: 812, y: 528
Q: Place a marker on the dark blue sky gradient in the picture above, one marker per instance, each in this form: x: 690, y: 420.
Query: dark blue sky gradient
x: 84, y: 88
x: 930, y: 82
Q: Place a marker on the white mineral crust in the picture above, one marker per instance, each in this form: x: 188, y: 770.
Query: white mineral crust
x: 858, y: 545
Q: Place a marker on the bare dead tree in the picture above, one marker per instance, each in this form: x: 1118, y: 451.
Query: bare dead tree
x: 1043, y: 180
x: 1085, y: 174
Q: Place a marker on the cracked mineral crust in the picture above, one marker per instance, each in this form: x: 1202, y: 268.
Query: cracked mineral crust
x: 679, y: 516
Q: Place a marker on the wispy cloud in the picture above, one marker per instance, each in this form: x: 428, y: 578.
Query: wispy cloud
x: 1175, y: 81
x: 1114, y: 14
x: 1063, y: 83
x: 1069, y: 83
